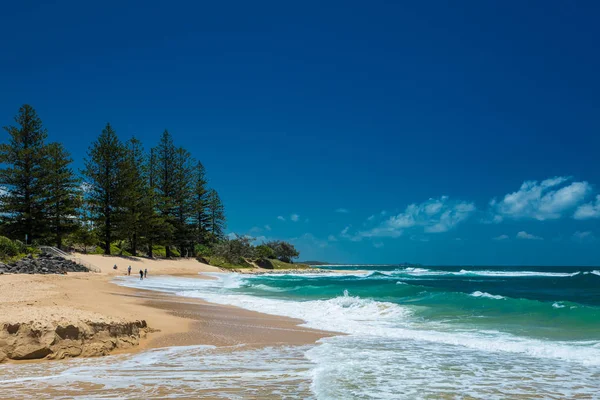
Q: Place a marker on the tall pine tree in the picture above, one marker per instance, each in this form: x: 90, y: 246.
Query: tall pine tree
x: 182, y: 200
x: 216, y: 215
x: 165, y: 154
x: 136, y: 202
x: 200, y: 217
x: 158, y: 230
x: 23, y: 200
x: 104, y: 168
x: 63, y: 198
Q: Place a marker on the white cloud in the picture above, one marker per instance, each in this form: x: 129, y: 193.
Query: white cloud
x: 332, y: 238
x: 501, y: 237
x: 434, y: 215
x: 378, y: 245
x: 371, y: 218
x: 255, y: 229
x: 586, y: 236
x: 540, y: 200
x: 294, y: 217
x: 589, y: 210
x: 268, y: 227
x: 419, y: 238
x: 342, y: 211
x: 528, y: 236
x: 280, y: 218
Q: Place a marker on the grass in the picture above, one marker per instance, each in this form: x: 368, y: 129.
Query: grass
x: 278, y: 264
x: 222, y: 263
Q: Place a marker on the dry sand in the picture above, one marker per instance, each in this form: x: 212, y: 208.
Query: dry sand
x: 111, y: 318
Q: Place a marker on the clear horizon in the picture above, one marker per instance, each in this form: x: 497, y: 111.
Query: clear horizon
x: 437, y: 135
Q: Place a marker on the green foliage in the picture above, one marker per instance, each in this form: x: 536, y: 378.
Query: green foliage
x: 161, y: 251
x: 216, y: 217
x: 223, y: 263
x: 129, y: 201
x: 118, y: 250
x: 182, y: 201
x: 202, y: 250
x: 283, y: 251
x: 278, y: 264
x: 236, y: 250
x: 264, y: 252
x: 11, y: 250
x: 23, y: 177
x: 8, y: 248
x: 85, y: 236
x: 63, y: 196
x: 200, y: 211
x: 104, y: 169
x: 137, y: 209
x: 165, y: 186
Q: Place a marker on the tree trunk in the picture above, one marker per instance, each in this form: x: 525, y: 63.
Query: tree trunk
x: 168, y: 251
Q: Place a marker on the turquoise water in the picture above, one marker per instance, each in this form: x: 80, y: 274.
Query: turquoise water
x: 547, y: 303
x: 404, y: 333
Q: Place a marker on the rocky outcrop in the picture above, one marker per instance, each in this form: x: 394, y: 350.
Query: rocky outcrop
x: 28, y: 341
x: 44, y: 264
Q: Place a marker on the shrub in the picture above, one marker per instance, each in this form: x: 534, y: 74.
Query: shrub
x: 234, y: 251
x: 264, y: 252
x: 8, y: 248
x: 283, y: 251
x: 161, y: 251
x: 203, y: 250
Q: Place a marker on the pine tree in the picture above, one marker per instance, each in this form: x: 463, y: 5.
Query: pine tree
x: 23, y: 178
x: 136, y: 206
x: 62, y: 188
x: 182, y: 200
x: 158, y: 228
x: 200, y: 217
x: 216, y: 213
x: 165, y: 154
x: 104, y: 172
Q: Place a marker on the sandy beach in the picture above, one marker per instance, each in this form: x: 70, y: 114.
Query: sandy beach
x: 36, y: 310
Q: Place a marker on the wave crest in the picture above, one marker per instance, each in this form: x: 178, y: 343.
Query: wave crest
x: 487, y: 295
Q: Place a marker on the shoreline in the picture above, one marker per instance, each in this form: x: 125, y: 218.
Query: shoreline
x: 51, y: 303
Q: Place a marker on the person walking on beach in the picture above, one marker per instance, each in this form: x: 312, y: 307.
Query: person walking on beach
x: 141, y: 275
x: 145, y: 272
x: 129, y: 270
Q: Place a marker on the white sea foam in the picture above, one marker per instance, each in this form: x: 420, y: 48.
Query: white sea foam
x: 487, y: 295
x: 558, y: 305
x: 188, y: 372
x: 361, y: 367
x: 487, y: 273
x: 596, y: 272
x: 370, y: 318
x: 518, y: 273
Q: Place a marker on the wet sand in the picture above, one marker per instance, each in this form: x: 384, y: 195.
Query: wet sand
x: 43, y: 300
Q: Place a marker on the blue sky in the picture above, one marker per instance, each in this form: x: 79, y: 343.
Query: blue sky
x: 463, y: 133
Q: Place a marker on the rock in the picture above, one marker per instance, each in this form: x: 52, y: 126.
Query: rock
x: 30, y: 352
x: 44, y: 264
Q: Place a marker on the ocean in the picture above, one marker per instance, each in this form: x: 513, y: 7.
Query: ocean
x: 405, y: 333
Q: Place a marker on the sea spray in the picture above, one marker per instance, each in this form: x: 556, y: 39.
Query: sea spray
x: 433, y: 328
